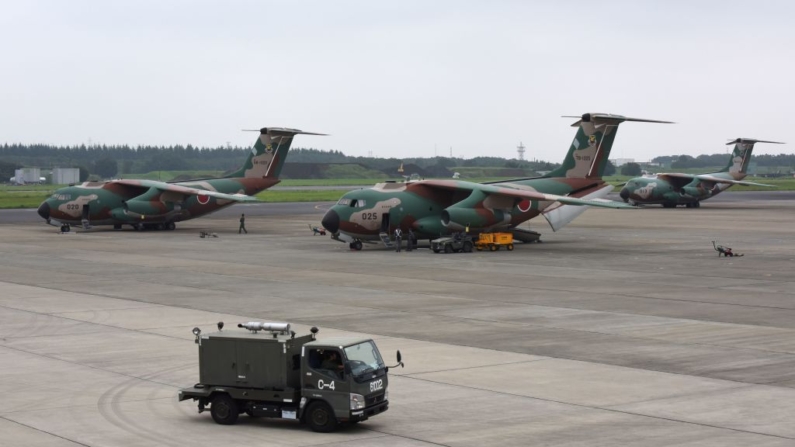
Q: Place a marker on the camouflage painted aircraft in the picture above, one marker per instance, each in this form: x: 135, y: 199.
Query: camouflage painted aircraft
x: 672, y: 189
x: 148, y: 204
x: 437, y: 207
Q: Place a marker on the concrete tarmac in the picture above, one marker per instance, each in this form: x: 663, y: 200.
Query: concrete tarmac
x: 624, y: 328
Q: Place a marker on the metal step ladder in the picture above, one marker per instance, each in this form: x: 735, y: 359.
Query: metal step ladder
x: 385, y: 239
x: 86, y: 224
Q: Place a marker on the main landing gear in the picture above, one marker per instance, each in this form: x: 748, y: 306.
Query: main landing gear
x: 355, y: 245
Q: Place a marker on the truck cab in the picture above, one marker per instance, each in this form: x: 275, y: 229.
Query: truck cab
x: 280, y: 375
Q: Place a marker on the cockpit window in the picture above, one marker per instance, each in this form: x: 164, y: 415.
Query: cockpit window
x: 343, y: 202
x: 358, y: 203
x: 62, y: 196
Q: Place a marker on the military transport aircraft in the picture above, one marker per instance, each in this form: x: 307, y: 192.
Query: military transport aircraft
x: 148, y: 204
x: 672, y: 189
x: 437, y: 207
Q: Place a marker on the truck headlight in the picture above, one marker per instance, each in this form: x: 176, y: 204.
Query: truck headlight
x: 386, y: 394
x: 357, y: 401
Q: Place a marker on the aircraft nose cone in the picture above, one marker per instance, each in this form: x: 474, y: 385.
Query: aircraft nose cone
x: 44, y: 210
x: 624, y: 194
x: 331, y: 221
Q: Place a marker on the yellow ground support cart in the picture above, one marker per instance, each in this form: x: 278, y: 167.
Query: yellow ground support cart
x: 493, y: 241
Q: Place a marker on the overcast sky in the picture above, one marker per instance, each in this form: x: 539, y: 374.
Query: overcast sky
x: 398, y: 78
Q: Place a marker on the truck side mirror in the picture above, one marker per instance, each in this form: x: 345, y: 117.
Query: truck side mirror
x: 399, y: 360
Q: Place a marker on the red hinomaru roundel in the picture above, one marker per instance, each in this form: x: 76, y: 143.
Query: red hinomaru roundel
x: 203, y: 199
x: 524, y: 205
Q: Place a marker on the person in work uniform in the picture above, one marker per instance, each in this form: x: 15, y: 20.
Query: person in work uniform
x: 242, y: 224
x: 398, y: 239
x: 410, y: 240
x: 332, y: 363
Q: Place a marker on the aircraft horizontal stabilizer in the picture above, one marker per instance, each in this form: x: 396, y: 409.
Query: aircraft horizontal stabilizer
x: 276, y: 131
x: 608, y: 118
x: 750, y: 141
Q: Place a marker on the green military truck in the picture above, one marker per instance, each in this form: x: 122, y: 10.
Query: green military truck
x: 267, y: 371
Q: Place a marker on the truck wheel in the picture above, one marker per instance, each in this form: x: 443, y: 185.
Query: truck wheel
x: 321, y: 417
x: 224, y: 409
x: 493, y: 247
x: 510, y: 247
x: 436, y: 249
x: 467, y: 247
x: 448, y: 248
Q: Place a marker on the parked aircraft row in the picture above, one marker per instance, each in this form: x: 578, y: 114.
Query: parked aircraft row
x: 428, y: 207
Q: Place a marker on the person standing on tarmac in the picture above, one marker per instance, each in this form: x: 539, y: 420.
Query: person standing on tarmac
x: 242, y: 224
x: 410, y: 240
x: 398, y: 239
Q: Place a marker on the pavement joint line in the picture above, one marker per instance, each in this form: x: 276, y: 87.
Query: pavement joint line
x: 97, y: 368
x: 693, y: 394
x: 474, y: 367
x: 300, y: 320
x: 43, y: 431
x: 57, y: 314
x: 404, y: 311
x: 635, y: 337
x: 510, y: 287
x: 609, y: 409
x: 94, y: 323
x: 94, y: 404
x: 548, y: 357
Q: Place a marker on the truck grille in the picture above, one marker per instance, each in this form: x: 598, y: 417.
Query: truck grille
x: 374, y: 400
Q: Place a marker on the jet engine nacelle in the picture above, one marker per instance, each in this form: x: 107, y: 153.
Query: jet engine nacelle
x: 458, y: 218
x: 143, y: 207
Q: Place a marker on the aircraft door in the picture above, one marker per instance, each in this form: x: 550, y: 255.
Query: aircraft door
x: 86, y: 212
x: 385, y: 223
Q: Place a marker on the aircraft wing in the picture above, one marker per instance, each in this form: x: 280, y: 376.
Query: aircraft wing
x: 675, y: 178
x: 521, y: 194
x: 184, y: 190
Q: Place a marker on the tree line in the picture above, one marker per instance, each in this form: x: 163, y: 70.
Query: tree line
x: 122, y: 160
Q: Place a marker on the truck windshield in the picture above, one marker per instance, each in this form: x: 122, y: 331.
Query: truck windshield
x: 364, y: 358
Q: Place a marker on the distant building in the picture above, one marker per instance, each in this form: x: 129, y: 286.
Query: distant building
x: 65, y: 176
x: 618, y: 162
x: 26, y: 176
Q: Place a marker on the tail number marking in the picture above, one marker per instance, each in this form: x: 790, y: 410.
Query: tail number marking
x: 377, y: 385
x: 369, y: 216
x: 321, y: 385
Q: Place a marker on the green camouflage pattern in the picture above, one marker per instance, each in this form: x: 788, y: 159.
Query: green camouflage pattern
x: 433, y: 208
x: 154, y: 204
x: 673, y: 189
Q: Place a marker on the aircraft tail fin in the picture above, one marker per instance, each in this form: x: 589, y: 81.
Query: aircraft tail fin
x: 741, y: 155
x: 589, y: 152
x: 269, y: 153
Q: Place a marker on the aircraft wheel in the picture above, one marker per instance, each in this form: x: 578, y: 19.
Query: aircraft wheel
x: 161, y: 227
x: 688, y: 205
x: 467, y: 247
x: 357, y: 245
x: 697, y: 205
x: 171, y: 226
x: 509, y: 247
x: 437, y: 249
